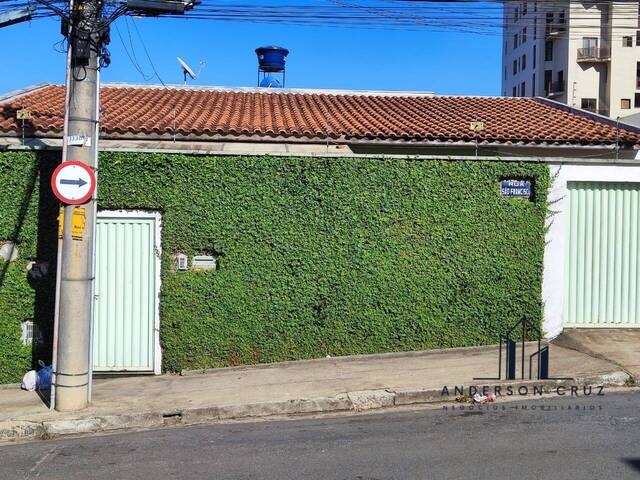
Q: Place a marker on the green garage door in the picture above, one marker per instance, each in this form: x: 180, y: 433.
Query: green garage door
x: 602, y: 271
x: 125, y: 289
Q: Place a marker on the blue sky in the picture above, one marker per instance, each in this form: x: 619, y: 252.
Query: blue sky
x: 321, y: 57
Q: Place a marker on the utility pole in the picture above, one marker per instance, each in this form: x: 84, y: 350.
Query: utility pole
x: 86, y: 35
x: 87, y: 32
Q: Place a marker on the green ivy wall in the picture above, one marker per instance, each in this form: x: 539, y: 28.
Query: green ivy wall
x: 317, y: 256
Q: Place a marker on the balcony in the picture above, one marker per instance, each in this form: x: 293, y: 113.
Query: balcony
x: 554, y: 88
x: 593, y: 55
x: 552, y: 31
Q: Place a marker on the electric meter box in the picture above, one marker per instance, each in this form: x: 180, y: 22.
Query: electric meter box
x: 181, y: 262
x: 203, y: 262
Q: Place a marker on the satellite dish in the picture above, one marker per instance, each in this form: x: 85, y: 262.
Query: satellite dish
x: 186, y: 70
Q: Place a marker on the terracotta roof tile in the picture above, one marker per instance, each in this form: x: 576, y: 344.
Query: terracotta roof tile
x: 128, y: 110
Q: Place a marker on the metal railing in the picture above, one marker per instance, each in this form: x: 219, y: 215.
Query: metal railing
x: 593, y: 54
x: 552, y: 30
x: 519, y: 333
x: 553, y: 88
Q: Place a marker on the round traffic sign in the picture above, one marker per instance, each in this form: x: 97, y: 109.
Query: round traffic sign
x: 73, y: 182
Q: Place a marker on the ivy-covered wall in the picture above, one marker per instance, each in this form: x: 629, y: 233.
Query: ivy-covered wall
x: 317, y: 256
x: 28, y: 218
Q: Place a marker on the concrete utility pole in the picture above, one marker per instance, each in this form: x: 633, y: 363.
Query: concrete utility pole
x: 87, y: 32
x: 75, y: 300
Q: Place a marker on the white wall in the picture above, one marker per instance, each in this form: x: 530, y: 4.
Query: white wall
x: 608, y: 82
x: 622, y: 73
x: 553, y: 284
x: 583, y: 79
x: 511, y: 27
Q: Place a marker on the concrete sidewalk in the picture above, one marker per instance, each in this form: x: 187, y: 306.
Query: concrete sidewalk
x: 620, y: 346
x: 313, y: 386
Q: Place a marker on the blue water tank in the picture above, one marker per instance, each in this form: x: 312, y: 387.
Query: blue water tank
x: 270, y: 82
x: 271, y: 58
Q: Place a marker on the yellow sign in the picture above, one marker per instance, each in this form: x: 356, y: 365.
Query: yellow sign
x: 61, y: 222
x: 476, y: 126
x: 78, y: 221
x: 23, y: 114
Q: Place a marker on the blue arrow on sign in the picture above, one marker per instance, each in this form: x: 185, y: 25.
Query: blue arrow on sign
x: 79, y: 182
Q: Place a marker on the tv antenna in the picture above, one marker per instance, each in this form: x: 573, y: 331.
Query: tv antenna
x: 187, y: 71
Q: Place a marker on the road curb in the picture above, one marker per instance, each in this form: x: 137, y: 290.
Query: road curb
x: 350, y: 401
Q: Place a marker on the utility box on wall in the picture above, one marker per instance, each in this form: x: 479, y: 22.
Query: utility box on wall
x: 203, y: 262
x: 182, y: 262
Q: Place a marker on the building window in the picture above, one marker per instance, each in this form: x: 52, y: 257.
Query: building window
x: 560, y: 81
x: 515, y: 67
x: 515, y: 41
x: 625, y: 103
x: 561, y: 17
x: 589, y: 43
x: 515, y: 14
x: 637, y: 75
x: 549, y: 19
x: 589, y: 104
x: 513, y: 93
x: 627, y: 41
x: 535, y: 6
x: 548, y: 51
x: 523, y: 63
x: 524, y: 8
x: 638, y: 37
x: 534, y: 56
x: 548, y: 79
x: 533, y: 85
x: 523, y: 38
x: 535, y: 28
x: 636, y: 101
x: 523, y: 89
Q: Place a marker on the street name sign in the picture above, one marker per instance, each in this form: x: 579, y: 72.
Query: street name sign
x: 73, y: 182
x: 515, y: 187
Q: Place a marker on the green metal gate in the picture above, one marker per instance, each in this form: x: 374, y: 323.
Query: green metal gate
x: 602, y: 274
x: 125, y: 294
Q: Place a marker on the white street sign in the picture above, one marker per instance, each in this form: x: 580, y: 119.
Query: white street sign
x: 73, y: 182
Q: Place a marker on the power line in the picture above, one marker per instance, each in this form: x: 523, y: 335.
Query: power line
x: 463, y: 16
x: 131, y: 56
x: 144, y: 47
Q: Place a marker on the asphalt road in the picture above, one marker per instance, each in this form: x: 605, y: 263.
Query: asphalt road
x: 598, y: 442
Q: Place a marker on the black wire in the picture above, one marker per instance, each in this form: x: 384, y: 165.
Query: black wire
x: 131, y: 58
x: 78, y: 79
x: 133, y: 51
x: 147, y: 52
x: 465, y: 16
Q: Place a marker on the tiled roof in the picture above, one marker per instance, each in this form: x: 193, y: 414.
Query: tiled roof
x: 202, y: 113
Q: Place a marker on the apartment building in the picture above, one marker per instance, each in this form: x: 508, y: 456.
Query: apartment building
x: 584, y: 54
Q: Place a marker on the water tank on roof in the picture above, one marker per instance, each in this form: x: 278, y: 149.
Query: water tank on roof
x: 271, y: 66
x: 270, y: 82
x: 271, y: 58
